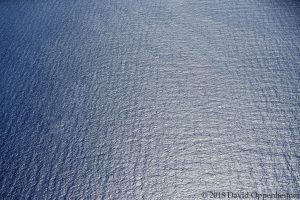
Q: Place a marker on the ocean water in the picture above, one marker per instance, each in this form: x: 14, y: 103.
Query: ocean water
x: 149, y: 99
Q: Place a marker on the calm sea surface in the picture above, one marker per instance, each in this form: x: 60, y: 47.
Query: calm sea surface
x: 148, y: 99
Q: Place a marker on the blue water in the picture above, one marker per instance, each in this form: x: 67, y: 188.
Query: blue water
x: 148, y: 99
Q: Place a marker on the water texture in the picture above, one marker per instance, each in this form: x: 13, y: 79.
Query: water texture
x: 148, y: 99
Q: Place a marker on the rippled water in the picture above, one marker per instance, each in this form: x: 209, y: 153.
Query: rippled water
x: 148, y: 99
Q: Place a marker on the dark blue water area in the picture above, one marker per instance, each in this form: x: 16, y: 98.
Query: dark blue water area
x: 136, y: 99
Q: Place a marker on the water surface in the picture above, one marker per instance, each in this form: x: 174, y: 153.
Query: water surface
x: 127, y: 99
